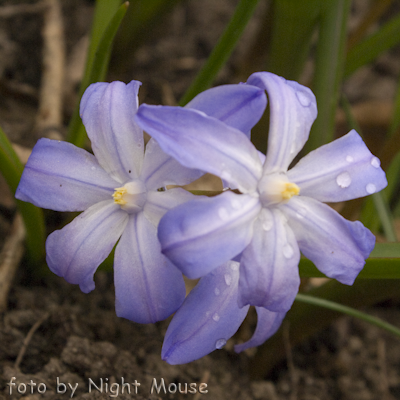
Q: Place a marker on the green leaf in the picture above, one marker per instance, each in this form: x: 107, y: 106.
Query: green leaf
x: 11, y: 168
x: 328, y: 70
x: 352, y: 312
x: 142, y: 22
x: 293, y: 24
x: 370, y: 48
x: 304, y: 320
x: 105, y: 26
x: 383, y: 263
x: 222, y: 50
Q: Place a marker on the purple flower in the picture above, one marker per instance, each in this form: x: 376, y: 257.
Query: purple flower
x: 210, y: 315
x: 279, y: 211
x: 118, y: 190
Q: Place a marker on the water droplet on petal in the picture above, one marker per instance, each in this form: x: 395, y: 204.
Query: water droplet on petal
x: 267, y: 224
x: 234, y: 266
x: 370, y: 188
x: 288, y: 250
x: 217, y: 291
x: 226, y: 175
x: 208, y: 313
x: 223, y: 213
x: 343, y: 180
x: 216, y: 317
x: 228, y: 279
x: 235, y: 203
x: 375, y: 162
x: 93, y: 168
x: 349, y: 159
x: 303, y: 99
x: 220, y: 343
x: 293, y: 147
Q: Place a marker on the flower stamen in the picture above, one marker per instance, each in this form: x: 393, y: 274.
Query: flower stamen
x: 290, y: 190
x: 131, y: 197
x: 276, y: 188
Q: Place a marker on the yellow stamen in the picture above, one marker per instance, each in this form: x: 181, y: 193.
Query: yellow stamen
x: 290, y: 190
x: 119, y: 195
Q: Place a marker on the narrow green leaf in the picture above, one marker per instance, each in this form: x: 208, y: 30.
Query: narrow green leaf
x: 395, y: 124
x: 103, y: 33
x: 304, y: 320
x: 11, y: 168
x: 370, y: 48
x: 293, y: 24
x: 352, y: 312
x: 142, y: 22
x: 383, y: 263
x: 328, y: 70
x: 223, y: 49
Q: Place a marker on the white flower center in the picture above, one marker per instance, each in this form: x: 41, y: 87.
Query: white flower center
x: 131, y: 197
x: 276, y: 188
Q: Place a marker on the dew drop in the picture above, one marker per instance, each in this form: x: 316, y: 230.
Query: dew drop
x: 375, y: 162
x: 235, y: 204
x: 228, y: 279
x: 223, y: 213
x: 220, y: 343
x: 226, y: 175
x: 303, y: 99
x: 216, y: 317
x: 292, y: 147
x: 267, y: 224
x: 234, y: 266
x: 93, y: 168
x: 349, y: 159
x: 208, y: 313
x: 288, y: 250
x: 370, y: 188
x: 217, y: 291
x: 343, y: 180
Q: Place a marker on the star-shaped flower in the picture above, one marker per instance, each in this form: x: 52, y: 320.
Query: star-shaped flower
x: 279, y: 211
x: 121, y: 191
x: 210, y: 315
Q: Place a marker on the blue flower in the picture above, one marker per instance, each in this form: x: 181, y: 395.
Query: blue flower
x: 117, y: 189
x: 210, y: 315
x: 279, y: 212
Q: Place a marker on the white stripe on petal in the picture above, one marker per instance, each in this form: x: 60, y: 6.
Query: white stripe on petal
x: 201, y: 234
x: 76, y: 251
x: 341, y: 170
x: 293, y: 109
x: 148, y: 288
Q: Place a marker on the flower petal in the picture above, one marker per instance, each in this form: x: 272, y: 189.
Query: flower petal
x: 76, y: 251
x: 160, y: 169
x: 107, y: 111
x: 337, y: 247
x: 62, y: 177
x: 158, y: 203
x: 293, y: 109
x: 204, y: 143
x: 267, y: 325
x: 208, y: 317
x: 239, y: 106
x: 338, y: 171
x: 269, y: 274
x: 201, y: 234
x: 148, y: 288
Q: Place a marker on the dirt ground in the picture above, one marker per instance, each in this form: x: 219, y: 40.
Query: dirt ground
x: 58, y: 343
